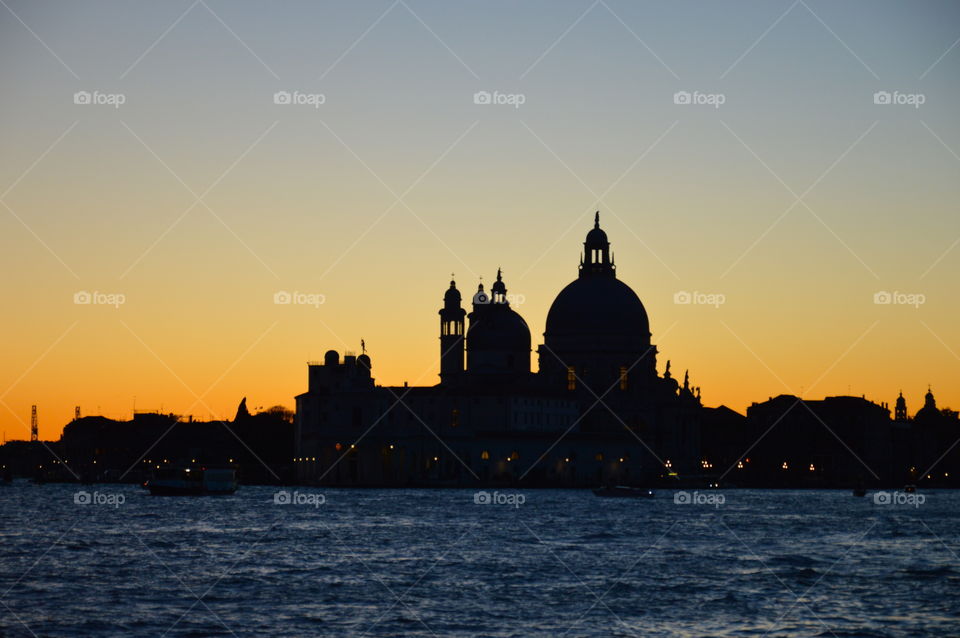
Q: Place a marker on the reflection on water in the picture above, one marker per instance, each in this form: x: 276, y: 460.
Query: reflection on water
x: 114, y: 561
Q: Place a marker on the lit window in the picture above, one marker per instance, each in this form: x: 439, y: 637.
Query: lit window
x: 599, y: 456
x: 623, y: 377
x: 571, y: 378
x: 485, y: 455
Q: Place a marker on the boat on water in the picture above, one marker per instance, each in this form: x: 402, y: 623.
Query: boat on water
x: 192, y: 480
x: 622, y: 491
x: 909, y: 488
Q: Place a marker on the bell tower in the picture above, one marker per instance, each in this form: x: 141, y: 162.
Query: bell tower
x: 900, y: 411
x: 451, y: 335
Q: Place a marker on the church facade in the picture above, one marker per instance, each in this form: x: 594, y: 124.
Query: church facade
x: 595, y: 411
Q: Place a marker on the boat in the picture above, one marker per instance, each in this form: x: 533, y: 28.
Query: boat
x: 622, y: 491
x: 910, y: 488
x: 192, y: 480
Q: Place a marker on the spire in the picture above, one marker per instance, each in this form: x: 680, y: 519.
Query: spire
x: 596, y: 220
x: 666, y: 373
x: 900, y: 409
x: 499, y: 289
x: 929, y: 401
x: 686, y: 380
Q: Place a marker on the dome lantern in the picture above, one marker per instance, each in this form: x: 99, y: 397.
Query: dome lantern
x: 596, y: 250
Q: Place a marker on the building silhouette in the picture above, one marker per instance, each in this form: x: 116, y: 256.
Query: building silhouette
x: 596, y: 410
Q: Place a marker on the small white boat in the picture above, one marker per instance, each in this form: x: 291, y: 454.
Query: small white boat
x: 193, y: 480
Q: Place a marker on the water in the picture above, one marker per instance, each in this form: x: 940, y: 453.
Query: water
x: 435, y: 563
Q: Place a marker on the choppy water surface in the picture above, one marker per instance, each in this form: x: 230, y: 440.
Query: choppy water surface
x: 436, y: 563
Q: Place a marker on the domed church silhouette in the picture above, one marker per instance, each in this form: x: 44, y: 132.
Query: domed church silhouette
x: 596, y: 410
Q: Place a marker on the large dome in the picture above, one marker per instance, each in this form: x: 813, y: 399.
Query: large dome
x: 598, y: 306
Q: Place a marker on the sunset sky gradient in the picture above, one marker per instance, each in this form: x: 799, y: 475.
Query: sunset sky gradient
x: 798, y: 199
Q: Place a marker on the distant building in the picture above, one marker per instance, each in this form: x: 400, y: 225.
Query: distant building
x: 835, y: 441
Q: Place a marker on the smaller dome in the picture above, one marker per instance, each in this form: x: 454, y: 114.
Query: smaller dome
x: 331, y: 358
x: 363, y: 361
x: 597, y: 236
x: 452, y: 294
x: 498, y: 327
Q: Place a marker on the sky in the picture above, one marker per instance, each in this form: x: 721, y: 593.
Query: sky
x: 789, y: 168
